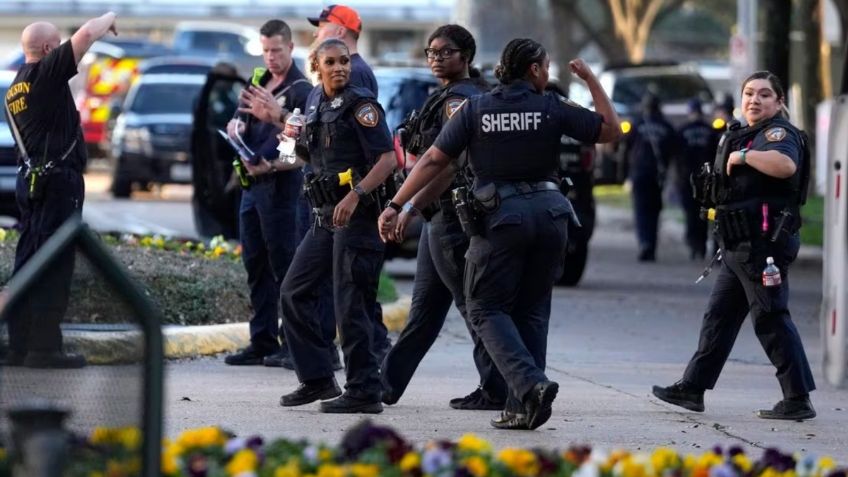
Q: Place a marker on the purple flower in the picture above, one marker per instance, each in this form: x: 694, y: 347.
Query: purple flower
x: 723, y: 470
x: 435, y: 461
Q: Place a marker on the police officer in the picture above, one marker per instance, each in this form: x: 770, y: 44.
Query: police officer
x: 699, y: 142
x: 267, y: 215
x: 50, y: 185
x: 649, y: 145
x: 346, y: 138
x: 512, y: 135
x: 762, y: 172
x: 442, y: 245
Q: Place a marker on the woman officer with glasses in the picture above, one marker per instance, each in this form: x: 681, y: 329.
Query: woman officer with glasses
x: 442, y: 246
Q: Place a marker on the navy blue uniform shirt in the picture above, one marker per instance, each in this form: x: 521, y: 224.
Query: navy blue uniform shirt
x: 513, y: 133
x: 44, y: 110
x: 260, y: 136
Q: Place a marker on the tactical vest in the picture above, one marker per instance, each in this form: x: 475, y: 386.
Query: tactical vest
x: 428, y: 124
x: 747, y: 183
x: 502, y: 154
x: 334, y: 140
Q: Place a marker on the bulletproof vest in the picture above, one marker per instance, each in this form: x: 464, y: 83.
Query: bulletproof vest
x: 333, y: 136
x: 516, y: 138
x: 428, y: 123
x: 747, y: 183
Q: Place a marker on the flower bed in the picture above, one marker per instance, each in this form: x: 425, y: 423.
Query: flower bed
x: 370, y: 451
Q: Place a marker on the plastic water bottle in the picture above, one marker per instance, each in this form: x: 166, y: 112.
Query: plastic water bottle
x: 294, y: 126
x: 771, y: 274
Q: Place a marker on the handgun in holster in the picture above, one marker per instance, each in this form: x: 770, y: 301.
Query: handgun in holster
x: 466, y: 211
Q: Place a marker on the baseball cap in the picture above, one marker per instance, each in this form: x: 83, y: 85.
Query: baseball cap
x: 340, y: 15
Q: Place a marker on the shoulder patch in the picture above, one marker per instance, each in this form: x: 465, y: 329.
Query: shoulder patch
x: 452, y: 106
x: 775, y: 134
x: 367, y: 115
x: 569, y: 102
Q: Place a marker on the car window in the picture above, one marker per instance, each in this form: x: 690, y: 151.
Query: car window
x: 219, y: 42
x: 669, y: 88
x: 165, y: 98
x: 3, y: 90
x: 173, y: 68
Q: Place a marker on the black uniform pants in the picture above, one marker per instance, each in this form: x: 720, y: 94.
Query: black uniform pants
x: 438, y: 282
x: 268, y: 232
x: 35, y: 326
x: 647, y: 204
x: 509, y: 276
x: 736, y: 292
x: 696, y: 227
x: 351, y: 258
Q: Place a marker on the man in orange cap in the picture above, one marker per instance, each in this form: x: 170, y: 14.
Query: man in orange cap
x: 342, y: 22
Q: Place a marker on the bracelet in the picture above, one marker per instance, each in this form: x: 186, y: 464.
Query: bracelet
x: 410, y: 209
x: 742, y: 154
x: 394, y: 206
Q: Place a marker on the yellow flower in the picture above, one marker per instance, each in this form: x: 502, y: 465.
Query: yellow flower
x: 218, y: 251
x: 826, y: 463
x: 476, y: 465
x: 146, y: 241
x: 521, y: 461
x: 630, y: 467
x: 410, y: 462
x: 170, y: 458
x: 708, y: 460
x: 158, y: 242
x: 244, y: 460
x: 290, y: 469
x: 325, y: 455
x: 130, y: 438
x: 201, y: 437
x: 743, y: 462
x: 364, y: 470
x: 770, y: 472
x: 664, y: 458
x: 330, y: 470
x: 472, y: 443
x: 2, y: 235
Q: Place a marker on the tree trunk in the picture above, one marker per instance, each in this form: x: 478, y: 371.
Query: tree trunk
x: 776, y: 21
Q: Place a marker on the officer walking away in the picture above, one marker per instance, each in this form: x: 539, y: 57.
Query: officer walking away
x: 650, y: 146
x: 267, y: 215
x: 512, y: 135
x: 699, y: 143
x: 50, y: 188
x: 442, y: 245
x: 351, y: 153
x: 755, y: 188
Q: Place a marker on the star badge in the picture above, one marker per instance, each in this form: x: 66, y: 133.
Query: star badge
x: 336, y: 103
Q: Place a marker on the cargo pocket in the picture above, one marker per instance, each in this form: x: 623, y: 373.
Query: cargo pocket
x: 476, y: 261
x: 561, y: 215
x: 453, y: 248
x: 363, y: 259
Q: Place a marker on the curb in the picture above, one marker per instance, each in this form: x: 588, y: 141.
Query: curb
x: 121, y: 347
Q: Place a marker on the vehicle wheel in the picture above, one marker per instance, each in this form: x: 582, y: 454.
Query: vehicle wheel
x: 575, y: 264
x: 121, y: 188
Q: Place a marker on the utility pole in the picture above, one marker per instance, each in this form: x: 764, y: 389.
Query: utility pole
x: 743, y: 44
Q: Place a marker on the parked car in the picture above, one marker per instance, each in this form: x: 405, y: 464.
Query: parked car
x: 151, y: 139
x: 8, y: 155
x: 674, y: 85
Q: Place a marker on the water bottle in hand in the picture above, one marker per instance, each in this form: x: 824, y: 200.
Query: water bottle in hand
x: 771, y: 274
x: 294, y: 125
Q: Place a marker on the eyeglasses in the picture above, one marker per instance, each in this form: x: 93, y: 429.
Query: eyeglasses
x: 444, y: 53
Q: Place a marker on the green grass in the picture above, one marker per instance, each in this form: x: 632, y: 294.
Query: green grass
x: 612, y: 195
x: 812, y: 215
x: 386, y: 291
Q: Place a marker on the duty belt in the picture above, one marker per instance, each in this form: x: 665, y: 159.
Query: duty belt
x: 520, y: 188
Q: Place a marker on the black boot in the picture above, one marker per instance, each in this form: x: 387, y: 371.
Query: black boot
x: 311, y: 392
x: 476, y: 401
x: 682, y: 394
x: 280, y: 359
x: 249, y: 356
x: 511, y: 421
x: 538, y: 403
x: 349, y: 404
x: 791, y: 409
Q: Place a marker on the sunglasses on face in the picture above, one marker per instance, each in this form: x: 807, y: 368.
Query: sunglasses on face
x: 444, y: 53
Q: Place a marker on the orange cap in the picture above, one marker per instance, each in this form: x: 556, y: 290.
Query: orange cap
x: 340, y: 15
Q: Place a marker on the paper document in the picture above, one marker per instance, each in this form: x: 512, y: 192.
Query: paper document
x: 241, y: 148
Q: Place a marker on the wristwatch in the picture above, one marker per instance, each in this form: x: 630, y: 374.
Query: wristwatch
x: 392, y: 205
x: 360, y: 191
x: 742, y: 153
x: 410, y: 209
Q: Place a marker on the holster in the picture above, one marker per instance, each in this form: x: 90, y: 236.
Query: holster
x: 467, y: 211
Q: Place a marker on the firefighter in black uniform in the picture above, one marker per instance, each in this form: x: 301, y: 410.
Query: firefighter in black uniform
x: 442, y: 246
x: 512, y: 135
x: 50, y: 185
x: 756, y: 185
x: 347, y: 139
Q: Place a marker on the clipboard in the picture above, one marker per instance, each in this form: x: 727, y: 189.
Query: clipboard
x: 241, y: 148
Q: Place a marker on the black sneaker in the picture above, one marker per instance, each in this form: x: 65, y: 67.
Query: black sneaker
x: 54, y: 360
x: 681, y: 394
x: 476, y: 401
x: 347, y: 404
x: 246, y: 357
x: 538, y: 403
x: 307, y: 393
x: 280, y: 359
x: 510, y: 420
x: 790, y: 410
